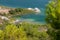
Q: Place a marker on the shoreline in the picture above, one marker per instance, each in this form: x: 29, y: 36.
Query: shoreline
x: 24, y: 12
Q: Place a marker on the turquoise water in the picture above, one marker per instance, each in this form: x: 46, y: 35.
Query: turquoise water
x: 28, y: 4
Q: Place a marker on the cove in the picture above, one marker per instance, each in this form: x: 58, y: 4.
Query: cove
x: 28, y: 4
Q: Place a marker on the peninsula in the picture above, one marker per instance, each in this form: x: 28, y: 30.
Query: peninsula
x: 7, y: 13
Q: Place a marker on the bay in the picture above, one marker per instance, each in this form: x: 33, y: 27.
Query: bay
x: 41, y: 4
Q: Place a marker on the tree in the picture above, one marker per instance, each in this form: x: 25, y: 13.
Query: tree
x: 1, y: 35
x: 12, y: 11
x: 53, y: 16
x: 18, y: 9
x: 12, y: 32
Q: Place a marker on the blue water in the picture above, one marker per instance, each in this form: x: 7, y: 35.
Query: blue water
x: 28, y: 4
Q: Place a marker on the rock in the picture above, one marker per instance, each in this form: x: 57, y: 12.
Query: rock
x: 37, y: 10
x: 4, y: 18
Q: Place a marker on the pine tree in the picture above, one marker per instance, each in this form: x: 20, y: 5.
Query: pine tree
x: 53, y: 16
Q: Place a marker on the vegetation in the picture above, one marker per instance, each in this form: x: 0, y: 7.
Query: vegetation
x: 53, y: 18
x: 11, y: 30
x: 20, y: 11
x: 24, y: 31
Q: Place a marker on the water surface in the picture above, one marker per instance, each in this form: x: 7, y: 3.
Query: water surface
x: 28, y: 4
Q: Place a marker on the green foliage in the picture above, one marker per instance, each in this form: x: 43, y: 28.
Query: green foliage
x: 52, y: 33
x: 58, y: 35
x: 23, y: 31
x: 53, y: 18
x: 18, y: 9
x: 14, y: 33
x: 1, y: 35
x: 33, y: 33
x: 53, y: 14
x: 12, y: 12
